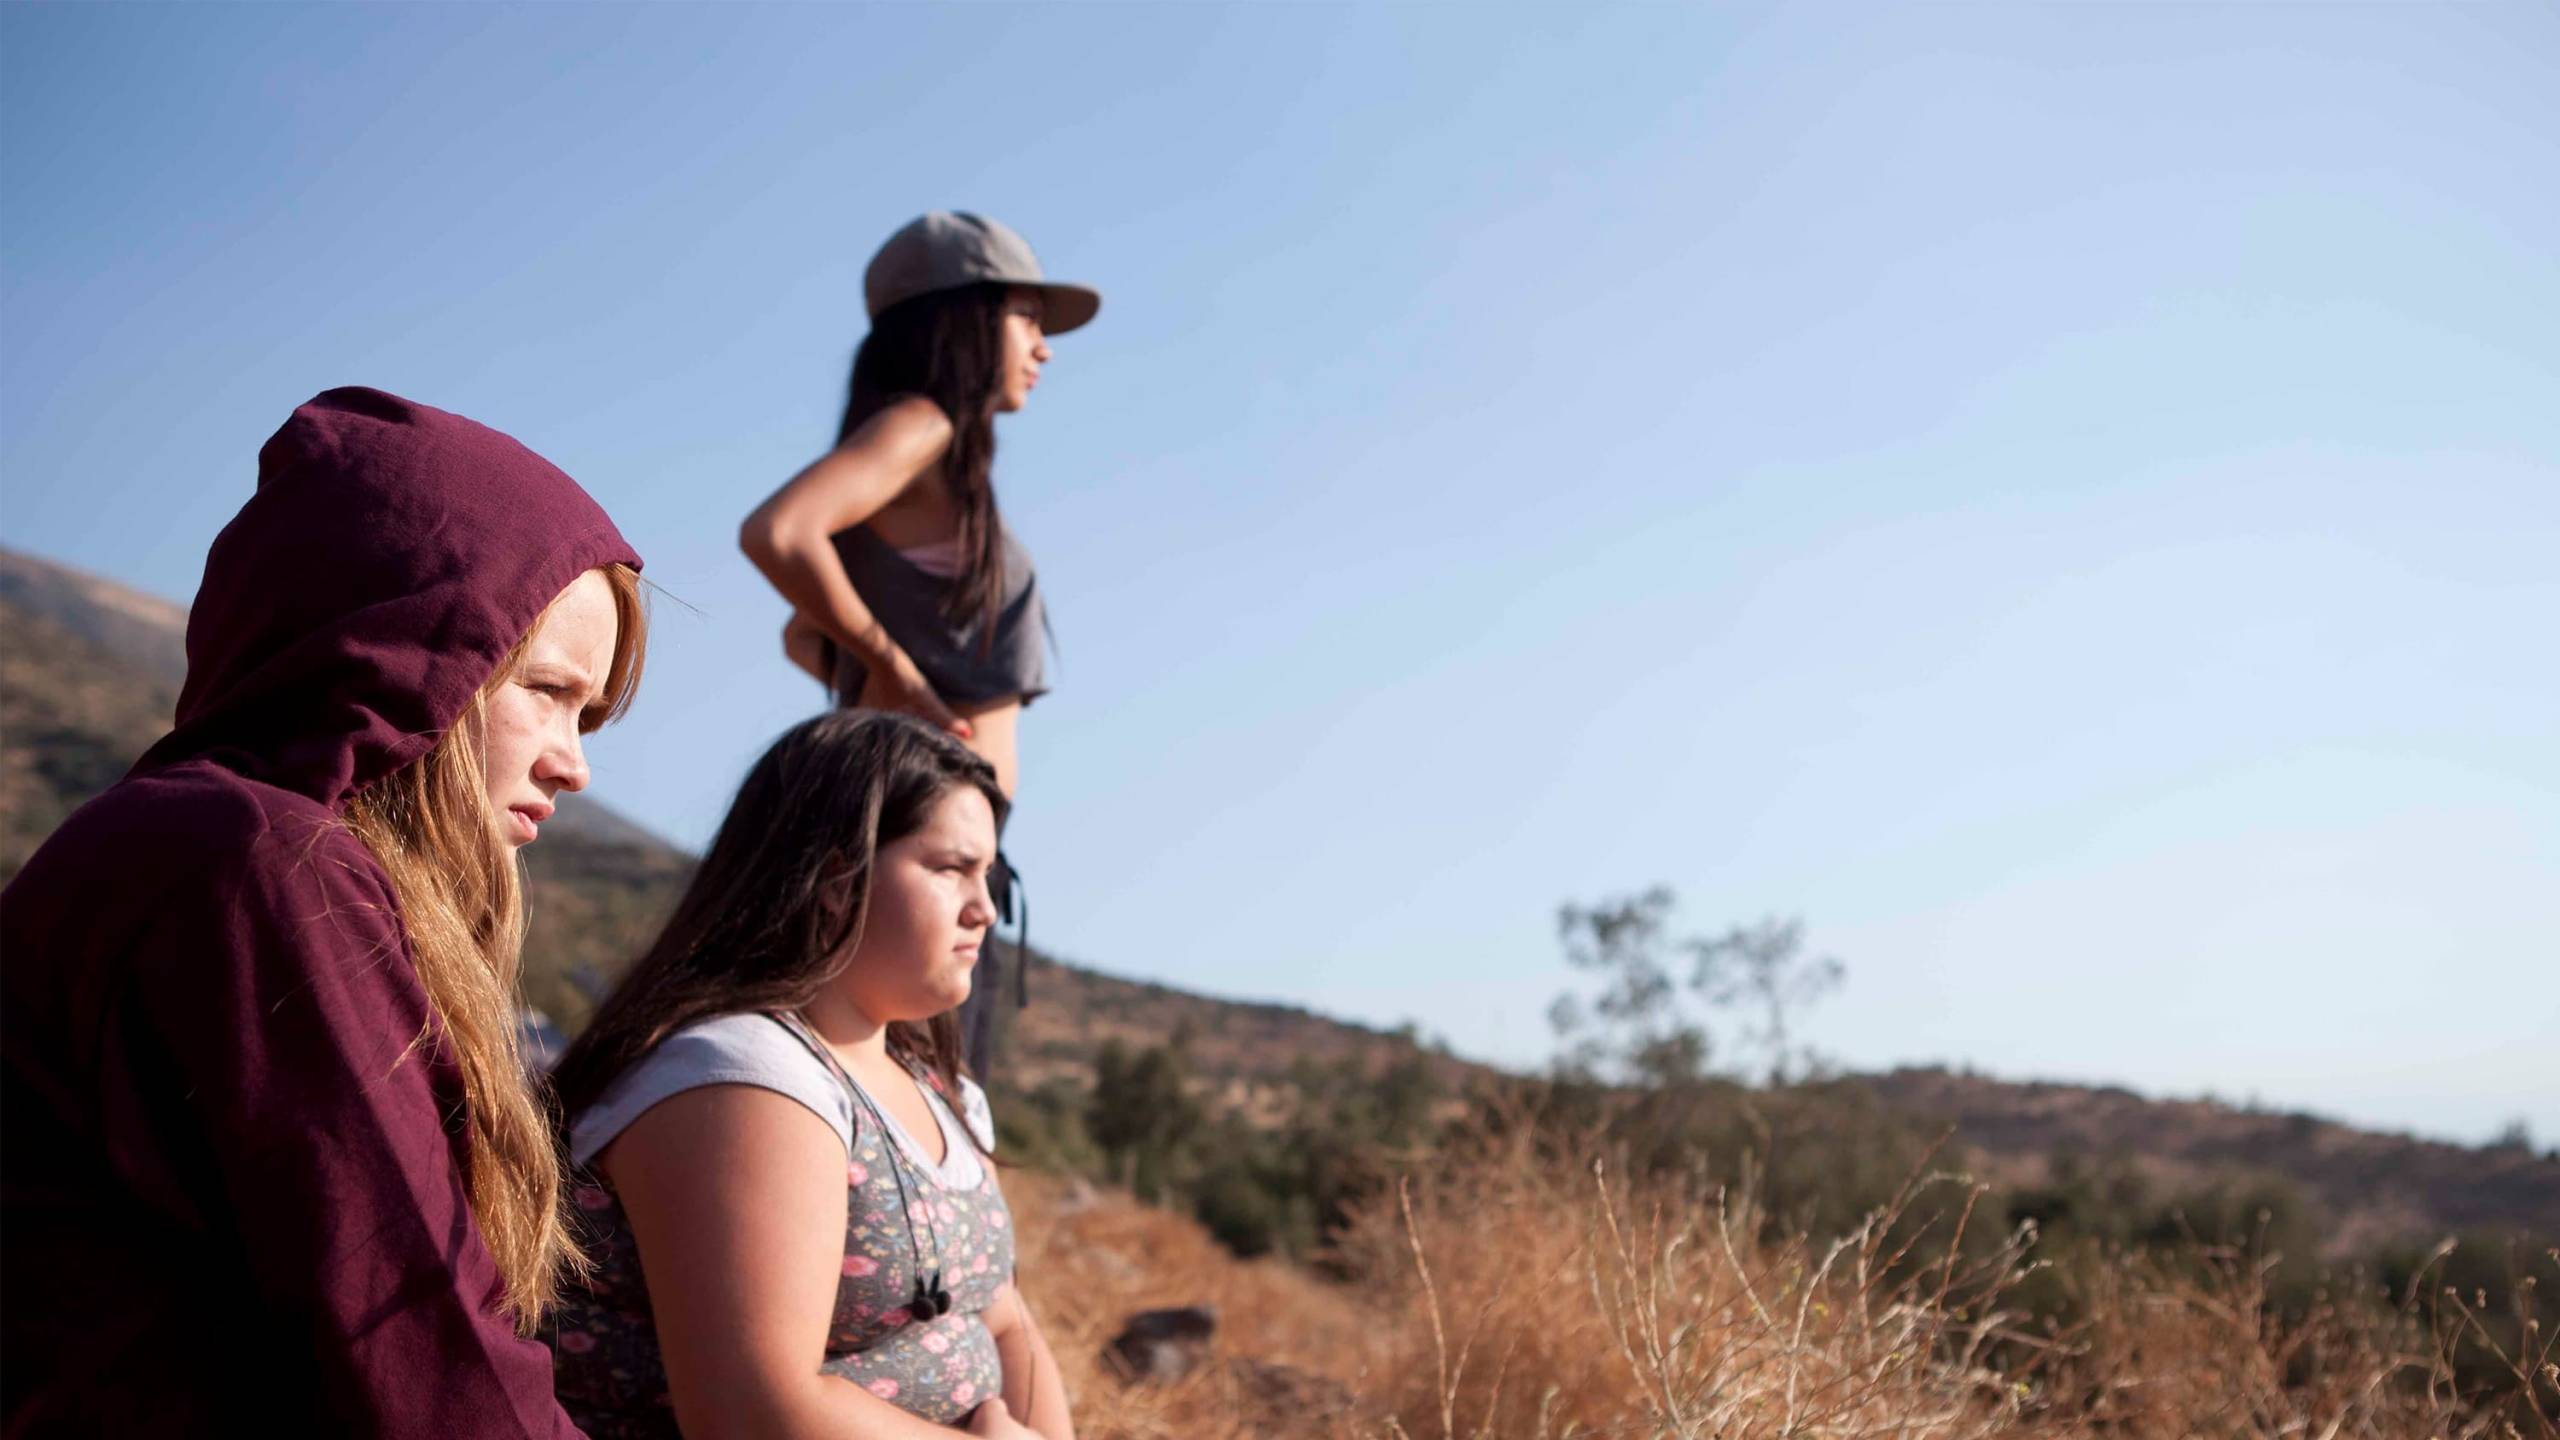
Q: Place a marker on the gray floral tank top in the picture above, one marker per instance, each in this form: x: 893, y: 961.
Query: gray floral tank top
x: 607, y: 1369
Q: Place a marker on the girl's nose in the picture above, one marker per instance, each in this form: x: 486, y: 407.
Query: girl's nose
x: 565, y: 764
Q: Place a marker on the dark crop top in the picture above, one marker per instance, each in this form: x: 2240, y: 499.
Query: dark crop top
x: 908, y: 602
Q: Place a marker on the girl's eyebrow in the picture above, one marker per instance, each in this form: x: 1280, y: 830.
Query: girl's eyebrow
x: 568, y: 671
x: 592, y: 714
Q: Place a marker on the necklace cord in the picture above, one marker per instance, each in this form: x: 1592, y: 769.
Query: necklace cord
x: 931, y: 1302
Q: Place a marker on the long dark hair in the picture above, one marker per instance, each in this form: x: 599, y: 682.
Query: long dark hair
x: 774, y: 910
x: 946, y: 345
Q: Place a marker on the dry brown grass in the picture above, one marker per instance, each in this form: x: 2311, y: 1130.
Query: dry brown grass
x: 1090, y: 1259
x: 1514, y: 1293
x: 1557, y: 1303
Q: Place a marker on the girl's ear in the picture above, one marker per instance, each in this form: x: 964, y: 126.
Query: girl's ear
x: 839, y: 905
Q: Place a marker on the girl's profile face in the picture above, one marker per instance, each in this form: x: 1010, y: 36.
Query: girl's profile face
x: 929, y: 913
x: 535, y: 717
x: 1025, y: 350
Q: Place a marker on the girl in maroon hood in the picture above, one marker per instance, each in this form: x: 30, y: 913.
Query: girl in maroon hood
x: 272, y: 1162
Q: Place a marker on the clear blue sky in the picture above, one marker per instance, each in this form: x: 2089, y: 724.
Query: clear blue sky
x: 2064, y: 498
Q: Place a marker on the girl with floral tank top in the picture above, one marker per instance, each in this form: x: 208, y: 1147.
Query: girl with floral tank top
x: 780, y: 1170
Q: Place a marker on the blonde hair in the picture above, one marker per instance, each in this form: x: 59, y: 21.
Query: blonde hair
x: 462, y: 907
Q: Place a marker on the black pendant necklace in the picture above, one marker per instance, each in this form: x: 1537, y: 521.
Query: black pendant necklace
x: 931, y: 1299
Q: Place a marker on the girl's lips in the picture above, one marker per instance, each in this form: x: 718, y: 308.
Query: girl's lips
x: 523, y: 827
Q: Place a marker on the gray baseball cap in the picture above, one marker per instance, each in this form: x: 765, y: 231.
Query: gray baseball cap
x: 946, y: 249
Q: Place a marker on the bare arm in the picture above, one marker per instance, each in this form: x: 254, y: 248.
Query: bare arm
x: 805, y: 645
x: 1034, y: 1391
x: 791, y: 539
x: 736, y: 1197
x: 992, y: 734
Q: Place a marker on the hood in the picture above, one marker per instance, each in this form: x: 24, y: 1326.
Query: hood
x: 391, y: 558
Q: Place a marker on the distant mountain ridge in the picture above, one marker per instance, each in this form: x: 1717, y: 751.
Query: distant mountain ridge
x: 89, y: 673
x: 2373, y: 1187
x: 117, y: 621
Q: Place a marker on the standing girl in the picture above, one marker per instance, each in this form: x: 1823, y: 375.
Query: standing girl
x: 781, y: 1167
x: 906, y: 592
x: 272, y: 1163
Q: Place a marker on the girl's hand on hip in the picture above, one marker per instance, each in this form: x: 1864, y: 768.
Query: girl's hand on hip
x: 899, y: 685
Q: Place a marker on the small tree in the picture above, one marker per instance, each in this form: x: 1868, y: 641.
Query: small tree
x: 1762, y: 970
x: 1634, y: 1028
x: 1648, y: 1028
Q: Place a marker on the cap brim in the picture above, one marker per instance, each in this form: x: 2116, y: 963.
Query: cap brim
x: 1066, y: 307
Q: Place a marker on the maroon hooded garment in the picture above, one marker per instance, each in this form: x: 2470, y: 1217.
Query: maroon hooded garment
x: 233, y: 1196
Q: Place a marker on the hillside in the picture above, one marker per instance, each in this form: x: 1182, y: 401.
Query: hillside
x: 2371, y: 1188
x: 1249, y: 1049
x: 1510, y: 1292
x: 89, y: 671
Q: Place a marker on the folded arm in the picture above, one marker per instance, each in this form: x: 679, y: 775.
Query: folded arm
x: 1034, y: 1391
x: 791, y: 536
